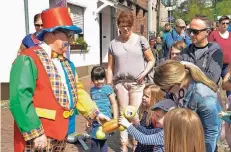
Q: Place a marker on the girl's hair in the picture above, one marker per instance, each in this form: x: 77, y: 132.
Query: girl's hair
x: 172, y: 72
x: 183, y: 131
x: 179, y: 45
x: 37, y: 17
x: 156, y: 95
x: 98, y: 73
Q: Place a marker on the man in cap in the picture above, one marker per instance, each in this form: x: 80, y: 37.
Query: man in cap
x: 45, y: 91
x: 177, y: 34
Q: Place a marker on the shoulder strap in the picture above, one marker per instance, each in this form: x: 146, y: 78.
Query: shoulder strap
x: 141, y: 44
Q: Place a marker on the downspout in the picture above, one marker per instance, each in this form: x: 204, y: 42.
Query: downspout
x: 158, y: 16
x: 26, y: 16
x: 149, y: 17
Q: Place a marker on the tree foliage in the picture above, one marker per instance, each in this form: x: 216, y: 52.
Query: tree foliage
x: 188, y: 9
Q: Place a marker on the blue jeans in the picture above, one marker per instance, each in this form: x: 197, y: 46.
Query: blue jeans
x: 208, y: 113
x: 99, y: 144
x: 225, y: 69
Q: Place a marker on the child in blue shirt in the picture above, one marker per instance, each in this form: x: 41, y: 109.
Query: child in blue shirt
x: 105, y: 100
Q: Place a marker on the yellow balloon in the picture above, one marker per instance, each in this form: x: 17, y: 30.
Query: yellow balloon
x: 100, y: 134
x: 122, y: 128
x: 129, y: 112
x: 100, y: 128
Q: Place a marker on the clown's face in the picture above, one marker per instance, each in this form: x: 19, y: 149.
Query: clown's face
x: 62, y: 40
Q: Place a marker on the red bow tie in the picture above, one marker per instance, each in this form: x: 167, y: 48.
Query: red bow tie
x: 59, y: 56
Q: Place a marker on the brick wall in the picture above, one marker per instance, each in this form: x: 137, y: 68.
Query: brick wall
x: 140, y: 22
x: 143, y: 3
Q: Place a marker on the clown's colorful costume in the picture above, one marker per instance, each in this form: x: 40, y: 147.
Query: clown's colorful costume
x: 45, y: 92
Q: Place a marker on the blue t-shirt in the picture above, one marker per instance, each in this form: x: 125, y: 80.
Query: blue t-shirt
x: 101, y: 97
x: 30, y: 40
x: 229, y: 28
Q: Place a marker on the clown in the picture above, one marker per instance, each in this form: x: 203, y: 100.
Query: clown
x: 45, y: 91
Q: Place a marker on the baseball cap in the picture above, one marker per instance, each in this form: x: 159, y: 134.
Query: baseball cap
x: 165, y: 104
x: 180, y: 22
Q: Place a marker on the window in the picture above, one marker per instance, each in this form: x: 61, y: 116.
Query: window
x: 77, y: 16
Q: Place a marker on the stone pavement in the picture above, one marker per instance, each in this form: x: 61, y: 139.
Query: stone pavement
x: 7, y: 134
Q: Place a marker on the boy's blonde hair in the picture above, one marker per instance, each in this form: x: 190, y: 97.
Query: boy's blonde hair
x: 156, y: 95
x: 183, y: 131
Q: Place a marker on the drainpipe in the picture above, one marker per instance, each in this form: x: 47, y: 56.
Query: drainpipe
x: 149, y: 17
x: 26, y: 16
x: 158, y: 17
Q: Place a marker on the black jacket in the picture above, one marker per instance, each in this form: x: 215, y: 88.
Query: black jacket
x: 210, y: 61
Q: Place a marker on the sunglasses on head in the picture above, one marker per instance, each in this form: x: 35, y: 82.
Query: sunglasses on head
x: 39, y: 25
x: 225, y: 23
x: 195, y: 31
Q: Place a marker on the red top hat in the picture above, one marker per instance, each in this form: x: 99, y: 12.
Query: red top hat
x: 57, y: 18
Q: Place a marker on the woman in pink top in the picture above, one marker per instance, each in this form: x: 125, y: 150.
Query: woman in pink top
x: 223, y: 38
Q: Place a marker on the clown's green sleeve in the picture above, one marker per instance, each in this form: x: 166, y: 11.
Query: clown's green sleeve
x: 23, y: 78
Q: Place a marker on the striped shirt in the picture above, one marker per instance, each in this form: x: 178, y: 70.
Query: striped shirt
x: 148, y: 136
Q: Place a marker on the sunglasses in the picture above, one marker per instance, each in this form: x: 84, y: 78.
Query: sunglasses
x: 69, y: 34
x: 225, y: 23
x: 38, y: 25
x: 196, y: 32
x: 123, y: 26
x: 182, y: 27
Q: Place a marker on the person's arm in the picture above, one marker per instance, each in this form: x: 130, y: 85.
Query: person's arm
x: 110, y: 68
x: 208, y: 114
x: 111, y: 95
x: 23, y: 78
x: 153, y: 139
x: 147, y: 131
x: 211, y: 37
x: 226, y: 83
x: 149, y: 58
x: 215, y: 66
x: 169, y: 40
x: 85, y: 105
x: 187, y: 40
x: 114, y: 105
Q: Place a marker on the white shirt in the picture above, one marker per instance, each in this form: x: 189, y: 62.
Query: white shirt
x: 58, y: 66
